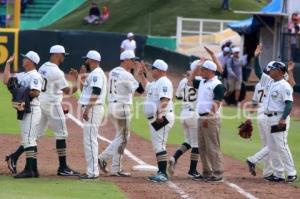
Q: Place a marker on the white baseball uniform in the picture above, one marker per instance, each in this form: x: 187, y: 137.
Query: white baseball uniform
x: 32, y: 80
x: 188, y: 115
x: 156, y: 90
x: 128, y: 45
x: 277, y: 93
x: 96, y: 79
x: 121, y: 87
x: 263, y: 154
x: 51, y: 98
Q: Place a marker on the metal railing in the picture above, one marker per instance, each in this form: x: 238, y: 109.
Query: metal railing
x: 198, y: 30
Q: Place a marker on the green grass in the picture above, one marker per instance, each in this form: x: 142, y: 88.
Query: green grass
x: 231, y: 143
x: 153, y: 17
x: 45, y: 188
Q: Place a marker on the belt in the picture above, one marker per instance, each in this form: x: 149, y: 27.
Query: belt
x: 271, y: 114
x: 203, y: 114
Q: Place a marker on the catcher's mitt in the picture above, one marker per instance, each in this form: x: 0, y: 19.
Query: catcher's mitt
x: 245, y: 129
x: 12, y: 83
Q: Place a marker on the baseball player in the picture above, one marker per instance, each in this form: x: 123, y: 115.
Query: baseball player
x: 158, y: 109
x: 32, y: 81
x: 92, y: 100
x: 188, y: 118
x: 277, y: 107
x: 263, y: 154
x: 121, y: 87
x: 259, y: 95
x: 129, y: 43
x: 210, y: 95
x: 55, y: 85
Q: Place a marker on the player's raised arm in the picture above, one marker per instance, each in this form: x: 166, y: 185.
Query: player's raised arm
x: 7, y: 69
x: 257, y: 68
x: 214, y: 59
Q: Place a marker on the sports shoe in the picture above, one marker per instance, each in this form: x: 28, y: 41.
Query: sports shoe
x: 275, y: 179
x: 291, y: 179
x: 87, y: 177
x: 251, y: 168
x: 67, y: 172
x: 269, y: 177
x: 24, y: 174
x: 103, y: 164
x: 199, y: 178
x: 11, y: 163
x: 171, y: 166
x: 214, y: 179
x: 159, y: 177
x: 193, y: 174
x: 121, y: 174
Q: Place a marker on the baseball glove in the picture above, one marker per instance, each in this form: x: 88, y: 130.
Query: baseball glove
x: 12, y: 83
x: 245, y: 129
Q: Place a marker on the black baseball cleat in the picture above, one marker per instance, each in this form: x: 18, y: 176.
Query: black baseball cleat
x: 87, y: 177
x: 102, y: 164
x: 275, y: 179
x: 214, y: 179
x: 67, y: 172
x: 269, y: 177
x: 251, y: 167
x: 193, y: 174
x: 11, y: 163
x: 291, y: 179
x: 199, y: 178
x: 25, y: 174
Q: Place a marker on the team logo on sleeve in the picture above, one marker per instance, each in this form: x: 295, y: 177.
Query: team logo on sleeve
x: 94, y: 79
x: 165, y: 89
x: 35, y: 81
x: 288, y: 93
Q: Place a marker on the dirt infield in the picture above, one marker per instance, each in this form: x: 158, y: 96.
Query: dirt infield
x: 137, y: 186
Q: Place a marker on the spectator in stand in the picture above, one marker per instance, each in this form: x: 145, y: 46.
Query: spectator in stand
x: 105, y: 14
x: 94, y: 15
x: 129, y: 43
x: 223, y: 58
x: 225, y: 5
x: 234, y: 69
x: 294, y: 41
x: 295, y: 20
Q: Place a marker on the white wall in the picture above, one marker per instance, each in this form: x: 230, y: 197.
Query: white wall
x: 293, y: 6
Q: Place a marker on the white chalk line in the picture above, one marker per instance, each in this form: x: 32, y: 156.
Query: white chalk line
x: 241, y: 191
x: 172, y: 185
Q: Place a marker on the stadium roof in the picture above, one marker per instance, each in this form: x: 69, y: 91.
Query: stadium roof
x: 263, y: 17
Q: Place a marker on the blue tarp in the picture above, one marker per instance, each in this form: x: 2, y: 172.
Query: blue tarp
x: 250, y: 25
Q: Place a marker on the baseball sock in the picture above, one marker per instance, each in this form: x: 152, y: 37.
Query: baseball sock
x: 194, y: 159
x: 18, y: 152
x: 34, y: 168
x: 29, y: 158
x: 61, y: 151
x: 182, y: 149
x: 162, y: 160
